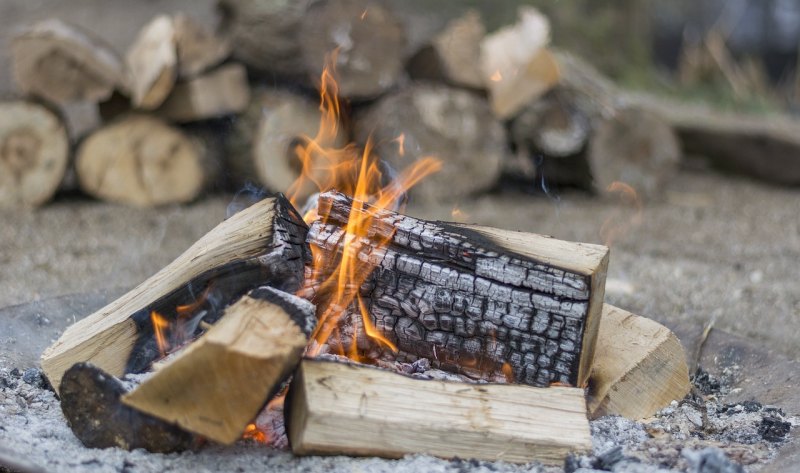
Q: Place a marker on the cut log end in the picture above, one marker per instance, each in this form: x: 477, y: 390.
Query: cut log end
x: 153, y: 63
x: 142, y: 161
x: 34, y: 150
x: 221, y: 92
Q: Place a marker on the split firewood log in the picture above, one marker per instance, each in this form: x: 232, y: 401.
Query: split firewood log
x: 264, y: 139
x: 368, y: 40
x: 261, y: 245
x: 473, y: 298
x: 219, y: 384
x: 140, y: 160
x: 265, y: 34
x: 515, y: 64
x: 221, y: 92
x: 555, y: 126
x: 34, y: 151
x: 63, y: 63
x: 396, y: 415
x: 197, y: 48
x: 639, y: 367
x: 453, y: 55
x: 453, y: 125
x: 152, y: 62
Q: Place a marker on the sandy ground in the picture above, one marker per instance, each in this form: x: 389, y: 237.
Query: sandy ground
x: 715, y: 248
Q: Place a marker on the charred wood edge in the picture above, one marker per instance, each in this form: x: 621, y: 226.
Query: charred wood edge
x: 279, y: 266
x: 91, y: 402
x: 428, y: 257
x: 300, y: 311
x: 296, y: 418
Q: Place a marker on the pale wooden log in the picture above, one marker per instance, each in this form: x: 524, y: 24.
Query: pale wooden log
x: 264, y: 139
x: 639, y: 367
x: 140, y: 160
x: 63, y: 63
x: 391, y: 415
x: 265, y: 34
x: 634, y: 146
x: 515, y: 64
x: 453, y: 125
x: 473, y: 298
x: 34, y: 151
x: 219, y: 384
x: 197, y: 48
x: 555, y: 126
x: 221, y: 92
x: 261, y: 245
x: 453, y: 56
x: 152, y: 62
x: 368, y: 40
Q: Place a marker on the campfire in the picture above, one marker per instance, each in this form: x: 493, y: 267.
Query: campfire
x: 328, y: 321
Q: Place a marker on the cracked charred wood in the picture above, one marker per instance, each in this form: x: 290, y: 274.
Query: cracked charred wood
x: 152, y: 62
x: 453, y: 125
x: 140, y: 160
x: 91, y: 403
x: 219, y: 384
x: 396, y: 415
x: 453, y: 55
x: 473, y: 298
x: 639, y: 367
x: 223, y: 91
x: 34, y: 153
x: 370, y: 53
x: 62, y: 63
x: 264, y: 138
x: 263, y: 244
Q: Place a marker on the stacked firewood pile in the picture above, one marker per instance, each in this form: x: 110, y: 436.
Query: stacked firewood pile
x: 491, y: 106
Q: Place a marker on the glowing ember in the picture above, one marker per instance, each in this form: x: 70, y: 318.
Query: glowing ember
x: 496, y: 77
x: 251, y: 432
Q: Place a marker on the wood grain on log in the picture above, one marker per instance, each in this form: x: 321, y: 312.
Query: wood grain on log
x: 221, y: 92
x: 265, y: 34
x: 140, y: 160
x: 452, y: 125
x: 265, y: 137
x: 336, y: 408
x: 197, y: 48
x: 152, y: 62
x: 34, y: 150
x: 63, y: 63
x: 368, y: 41
x: 220, y: 382
x: 453, y: 56
x: 639, y: 367
x: 472, y: 298
x: 261, y: 245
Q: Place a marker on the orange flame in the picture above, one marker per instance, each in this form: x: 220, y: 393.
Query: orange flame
x: 252, y: 432
x: 508, y: 373
x: 359, y: 175
x: 160, y: 325
x: 401, y: 140
x: 496, y: 77
x: 620, y: 225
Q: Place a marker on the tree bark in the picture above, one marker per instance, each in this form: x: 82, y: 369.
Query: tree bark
x: 221, y: 92
x: 453, y: 125
x: 222, y: 380
x: 474, y: 298
x: 34, y: 151
x: 62, y: 63
x: 261, y: 245
x: 396, y: 415
x: 368, y: 40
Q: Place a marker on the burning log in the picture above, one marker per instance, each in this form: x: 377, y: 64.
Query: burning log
x: 221, y: 92
x: 220, y: 382
x: 197, y: 48
x: 265, y: 137
x: 456, y: 126
x: 140, y: 160
x: 152, y: 62
x: 370, y: 54
x: 91, y: 402
x: 639, y: 367
x: 394, y: 415
x: 453, y: 56
x: 62, y: 63
x: 472, y: 299
x: 265, y: 34
x: 261, y: 245
x: 34, y: 150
